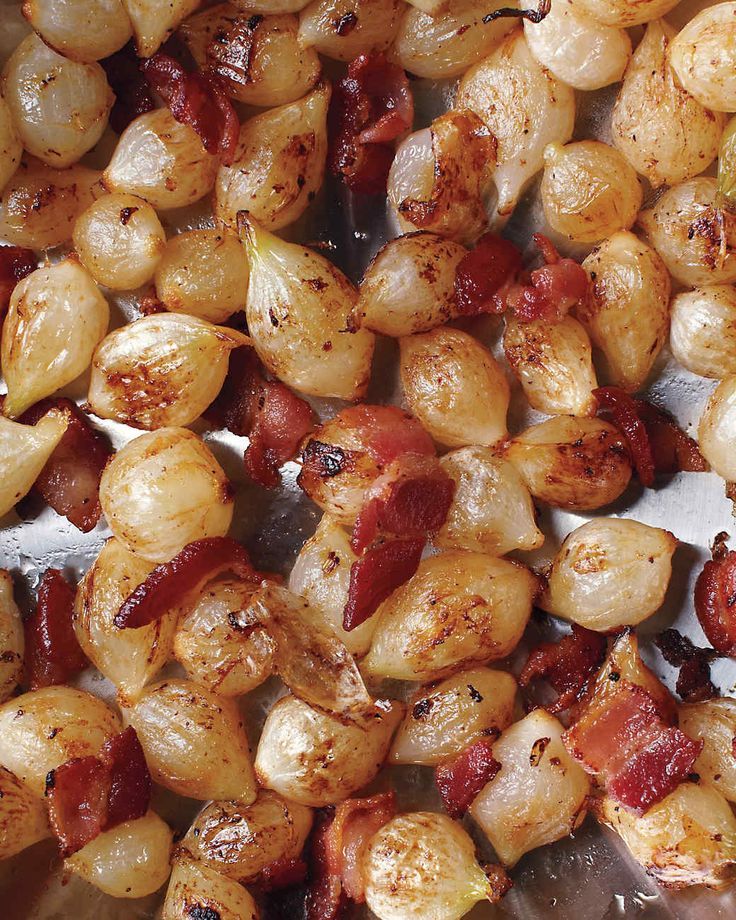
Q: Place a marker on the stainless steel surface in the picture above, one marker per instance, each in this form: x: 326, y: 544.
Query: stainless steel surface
x: 590, y: 876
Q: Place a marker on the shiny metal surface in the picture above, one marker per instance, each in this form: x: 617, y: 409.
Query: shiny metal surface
x: 590, y: 876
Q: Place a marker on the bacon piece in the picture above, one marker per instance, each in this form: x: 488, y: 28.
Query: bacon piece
x: 483, y: 272
x: 388, y: 432
x: 171, y: 583
x: 625, y: 417
x: 377, y: 573
x: 370, y: 107
x: 567, y: 665
x: 282, y: 873
x: 70, y: 480
x: 325, y: 898
x: 501, y: 883
x: 130, y: 781
x: 551, y: 290
x: 52, y: 653
x: 15, y: 264
x: 639, y: 757
x: 411, y: 498
x: 198, y: 100
x: 132, y: 94
x: 715, y: 602
x: 693, y: 682
x: 460, y: 780
x: 672, y: 450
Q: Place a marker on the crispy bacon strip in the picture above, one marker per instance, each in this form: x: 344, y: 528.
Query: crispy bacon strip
x: 622, y: 409
x: 411, y: 498
x: 52, y: 653
x: 70, y: 480
x: 623, y: 739
x: 693, y: 682
x: 483, y: 272
x: 198, y: 100
x: 132, y: 94
x: 715, y: 602
x: 377, y: 573
x: 88, y: 795
x: 388, y: 432
x: 460, y: 780
x: 370, y: 107
x: 567, y: 665
x: 325, y: 898
x: 15, y: 264
x: 171, y: 583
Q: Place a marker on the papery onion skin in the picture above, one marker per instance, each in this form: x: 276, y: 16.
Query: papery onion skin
x: 152, y: 23
x: 623, y: 13
x: 524, y: 106
x: 119, y: 240
x: 703, y: 330
x: 279, y: 164
x: 716, y: 429
x: 626, y: 308
x: 664, y: 133
x: 23, y: 817
x: 194, y: 741
x: 714, y: 723
x: 11, y: 639
x: 162, y: 491
x: 540, y: 794
x: 40, y: 204
x: 192, y: 885
x: 343, y: 29
x: 312, y: 758
x: 160, y: 371
x: 589, y: 191
x: 610, y: 573
x: 60, y: 107
x: 81, y: 30
x: 24, y: 451
x: 447, y: 617
x: 447, y: 45
x: 203, y: 273
x: 702, y: 55
x: 11, y: 146
x: 454, y: 386
x: 492, y: 511
x: 577, y: 49
x: 694, y: 236
x: 298, y: 310
x: 554, y: 365
x: 409, y: 285
x: 572, y: 462
x: 162, y: 161
x: 687, y: 839
x: 28, y: 745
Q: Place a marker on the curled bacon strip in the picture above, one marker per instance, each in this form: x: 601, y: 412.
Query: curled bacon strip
x: 88, y: 795
x: 460, y: 781
x: 370, y: 107
x: 567, y: 665
x: 15, y: 264
x: 693, y: 682
x: 198, y: 100
x: 70, y: 480
x: 132, y: 95
x: 715, y: 602
x: 52, y: 653
x: 388, y: 432
x: 381, y: 569
x: 483, y: 272
x: 171, y: 583
x: 625, y: 417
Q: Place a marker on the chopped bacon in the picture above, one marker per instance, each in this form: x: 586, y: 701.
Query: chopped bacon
x: 388, y: 432
x: 52, y: 653
x: 370, y: 107
x: 715, y: 602
x: 693, y: 682
x: 622, y: 409
x: 170, y: 584
x: 325, y: 898
x: 567, y: 665
x: 70, y: 480
x: 198, y: 100
x: 551, y: 290
x: 483, y: 272
x: 282, y: 873
x: 275, y: 419
x: 132, y: 94
x: 411, y: 498
x: 460, y: 780
x: 88, y: 795
x: 15, y: 264
x: 381, y: 569
x: 623, y: 739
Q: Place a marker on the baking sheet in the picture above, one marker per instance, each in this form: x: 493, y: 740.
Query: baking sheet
x: 590, y: 876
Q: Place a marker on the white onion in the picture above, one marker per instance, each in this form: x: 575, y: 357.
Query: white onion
x: 610, y: 573
x: 23, y: 819
x: 714, y: 723
x: 203, y: 273
x: 454, y: 386
x: 56, y: 317
x: 459, y: 609
x: 298, y: 309
x: 24, y: 450
x: 161, y: 160
x: 119, y: 239
x: 374, y: 25
x: 703, y: 55
x: 626, y: 308
x: 717, y: 429
x: 161, y: 370
x: 279, y: 164
x: 193, y: 887
x: 540, y: 793
x: 11, y: 146
x: 153, y: 22
x: 164, y: 490
x: 194, y: 741
x: 492, y: 510
x: 60, y: 107
x: 524, y: 106
x: 83, y: 30
x: 11, y: 639
x: 703, y: 330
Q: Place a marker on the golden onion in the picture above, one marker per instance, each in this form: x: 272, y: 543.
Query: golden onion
x: 153, y: 22
x: 714, y: 723
x: 11, y: 146
x: 344, y: 29
x: 23, y: 818
x: 703, y: 330
x: 703, y: 55
x: 717, y: 429
x: 83, y: 30
x: 11, y: 639
x: 196, y: 888
x: 624, y: 13
x: 24, y: 450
